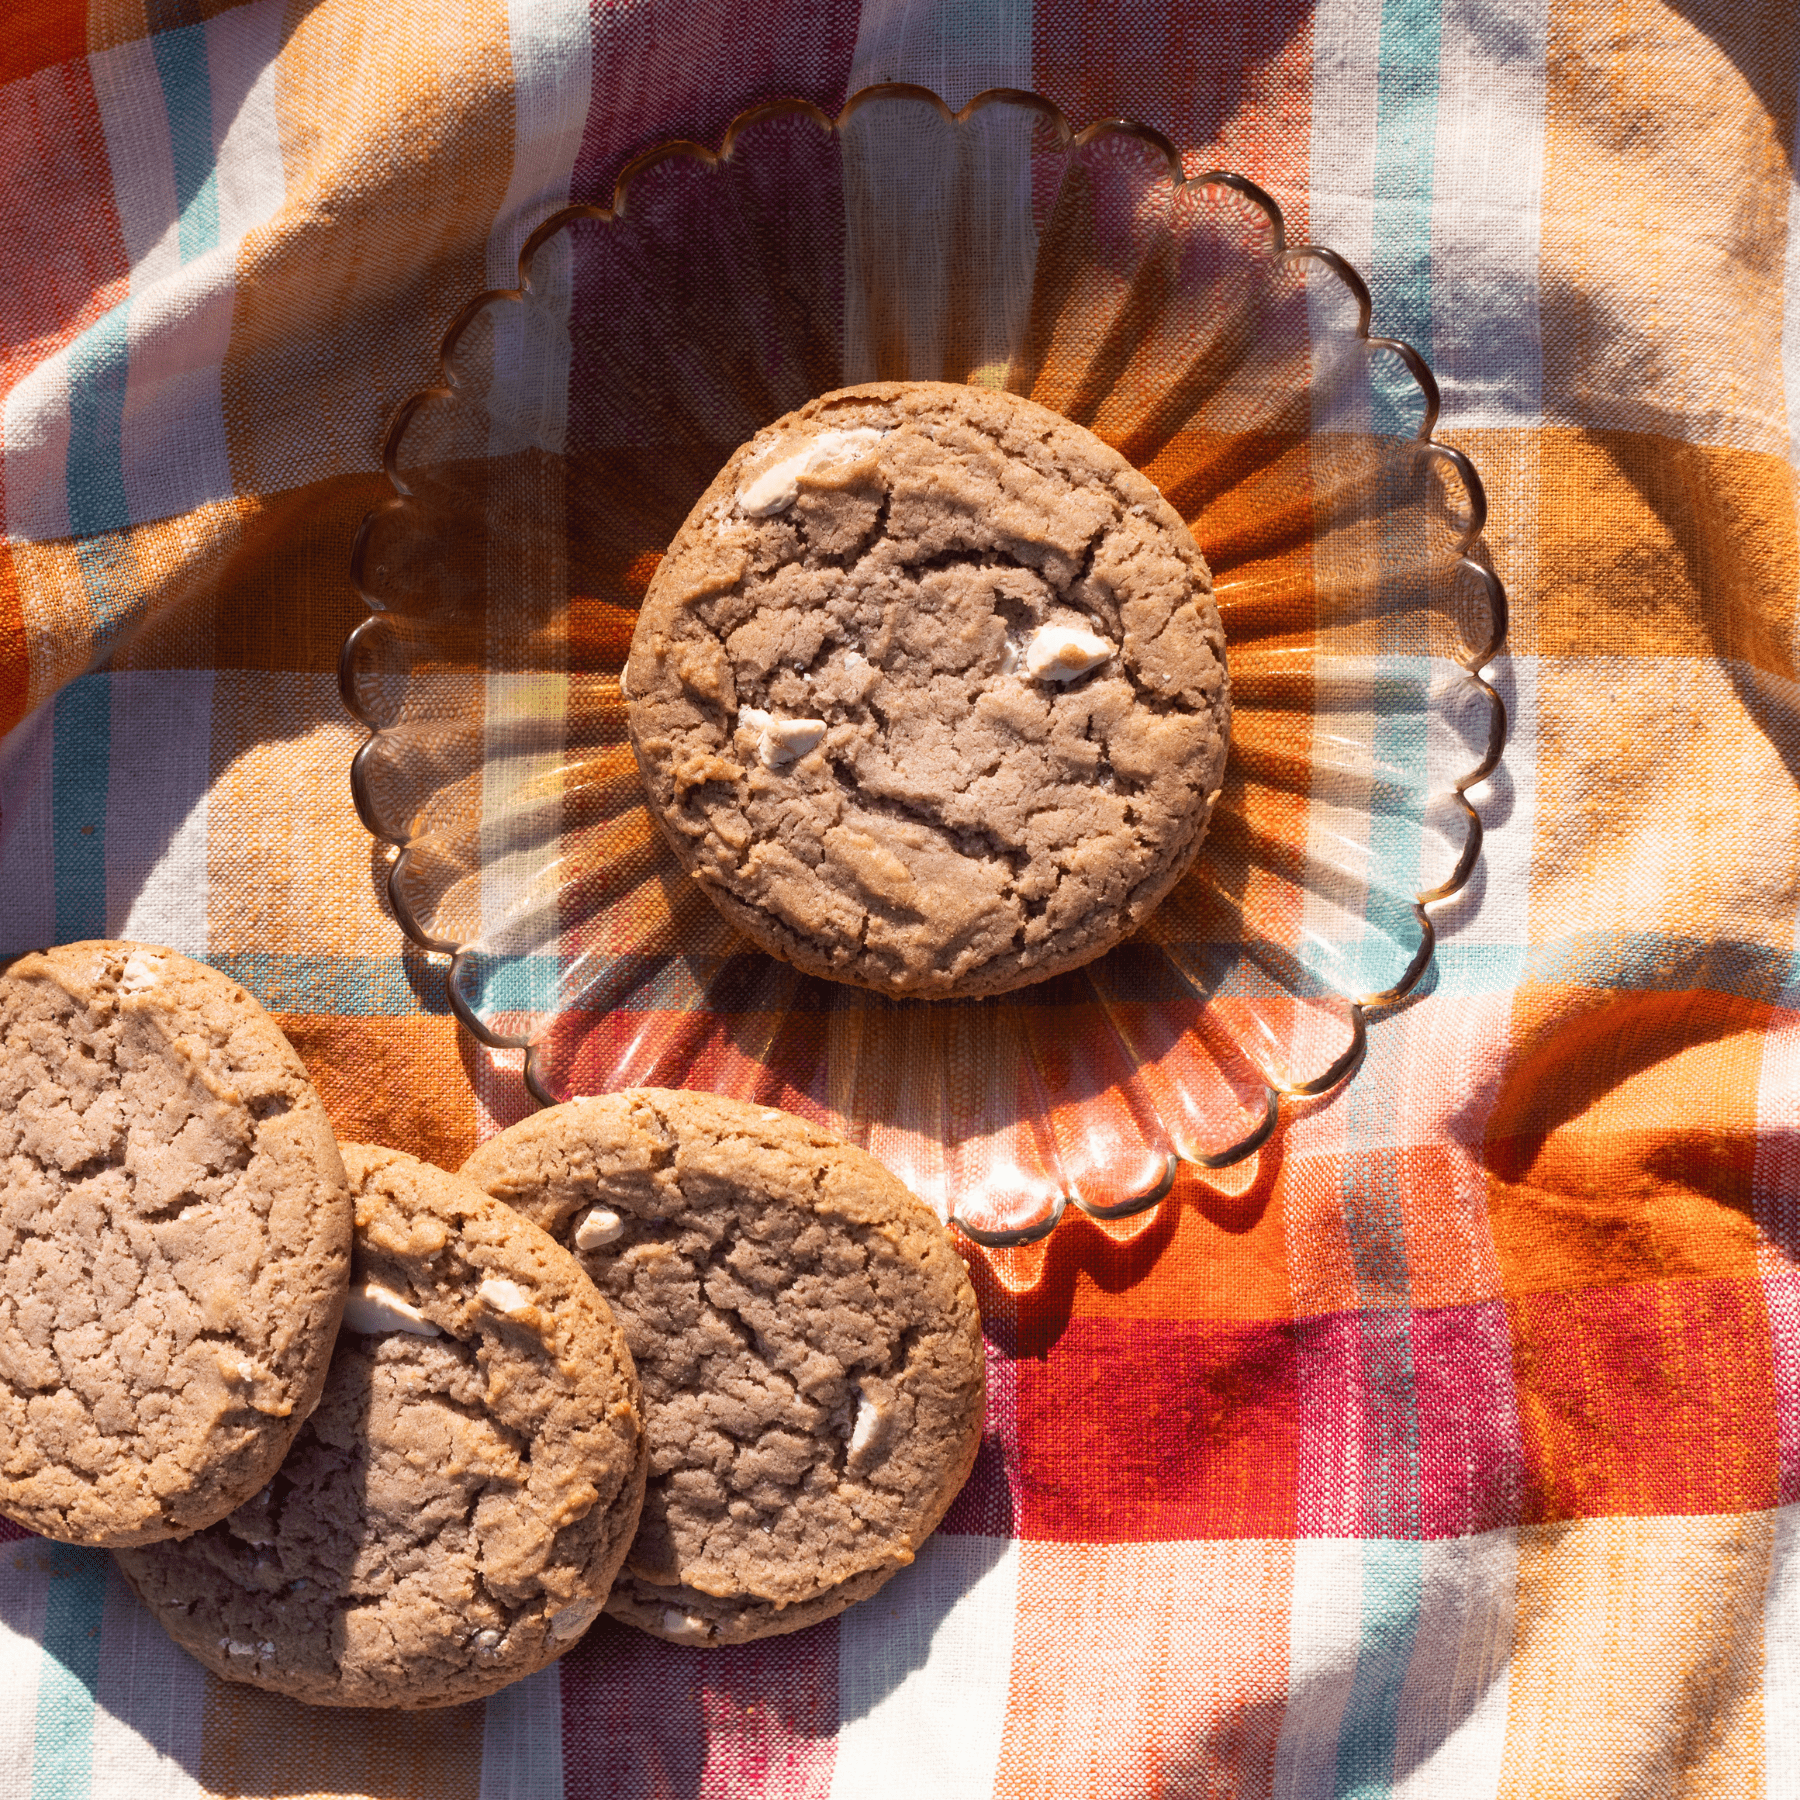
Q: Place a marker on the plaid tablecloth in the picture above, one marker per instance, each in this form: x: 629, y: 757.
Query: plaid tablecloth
x: 1466, y: 1464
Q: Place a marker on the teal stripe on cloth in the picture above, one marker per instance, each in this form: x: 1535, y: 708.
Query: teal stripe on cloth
x: 113, y: 581
x: 1392, y: 1589
x: 1665, y: 962
x: 187, y: 98
x: 1406, y: 109
x: 1459, y: 968
x: 354, y: 987
x: 80, y: 763
x: 1400, y: 272
x: 399, y: 984
x: 63, y: 1754
x: 98, y: 364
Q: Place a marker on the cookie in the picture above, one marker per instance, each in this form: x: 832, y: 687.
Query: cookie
x: 807, y: 1338
x: 174, y: 1244
x: 929, y: 693
x: 684, y: 1615
x: 454, y: 1512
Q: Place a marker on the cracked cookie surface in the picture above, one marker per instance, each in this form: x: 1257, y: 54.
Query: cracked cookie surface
x: 929, y: 692
x: 807, y: 1338
x: 174, y: 1243
x: 453, y: 1514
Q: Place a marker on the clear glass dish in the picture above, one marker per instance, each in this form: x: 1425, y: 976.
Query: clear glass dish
x: 580, y: 414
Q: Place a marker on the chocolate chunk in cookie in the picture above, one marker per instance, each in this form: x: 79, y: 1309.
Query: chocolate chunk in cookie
x: 174, y: 1244
x: 807, y: 1338
x: 929, y: 692
x: 454, y: 1513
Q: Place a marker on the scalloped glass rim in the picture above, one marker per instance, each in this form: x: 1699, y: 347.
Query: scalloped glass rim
x: 1463, y: 557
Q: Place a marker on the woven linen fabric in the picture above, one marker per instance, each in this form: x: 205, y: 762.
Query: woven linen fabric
x: 1463, y: 1457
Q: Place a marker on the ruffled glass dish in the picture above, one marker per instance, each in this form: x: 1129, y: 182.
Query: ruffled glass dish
x: 580, y: 414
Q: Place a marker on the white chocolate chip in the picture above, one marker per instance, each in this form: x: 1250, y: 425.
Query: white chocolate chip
x: 1061, y: 652
x: 506, y: 1297
x: 870, y: 1427
x: 574, y: 1619
x: 778, y: 486
x: 487, y: 1641
x: 374, y: 1310
x: 781, y: 740
x: 787, y: 739
x: 775, y: 489
x: 141, y: 971
x: 232, y: 1647
x: 599, y: 1227
x: 1009, y: 657
x: 685, y: 1625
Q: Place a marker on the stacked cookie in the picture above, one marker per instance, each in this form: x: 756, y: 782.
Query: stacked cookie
x: 367, y: 1433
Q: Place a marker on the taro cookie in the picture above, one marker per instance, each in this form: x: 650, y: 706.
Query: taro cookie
x: 453, y: 1514
x: 174, y: 1244
x: 929, y: 692
x: 806, y: 1335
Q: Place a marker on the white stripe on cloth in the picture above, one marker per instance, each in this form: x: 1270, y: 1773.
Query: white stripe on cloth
x: 1486, y: 214
x: 1507, y: 803
x: 36, y: 433
x: 149, y: 1706
x: 1325, y: 1628
x: 1781, y: 1658
x: 172, y: 445
x: 924, y: 1668
x: 135, y: 120
x: 172, y: 442
x: 1340, y: 205
x: 1452, y: 1727
x: 242, y: 46
x: 553, y: 70
x: 552, y: 60
x: 521, y: 1740
x: 160, y: 770
x: 955, y: 51
x: 24, y: 1587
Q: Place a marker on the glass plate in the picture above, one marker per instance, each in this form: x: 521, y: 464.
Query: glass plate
x: 580, y: 414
